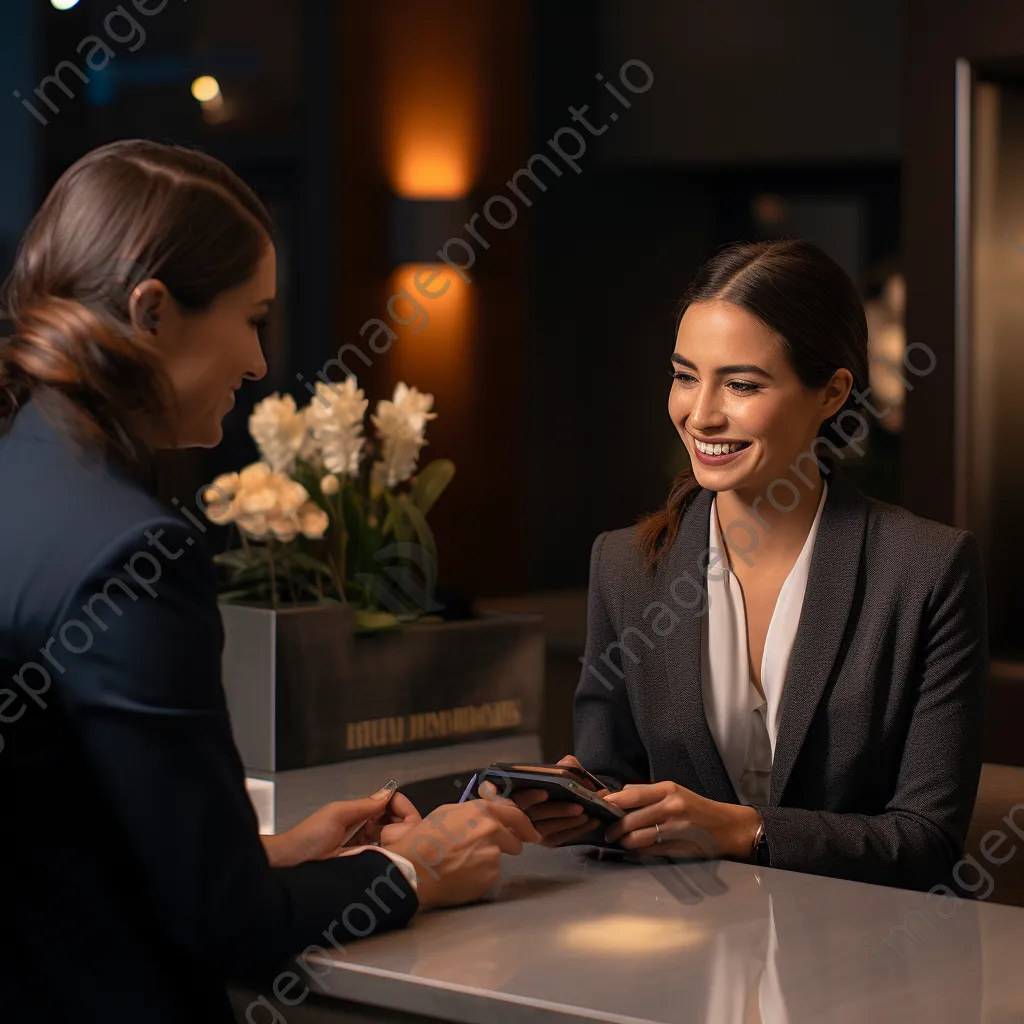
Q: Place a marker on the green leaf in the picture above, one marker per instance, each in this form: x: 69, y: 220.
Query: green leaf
x: 419, y: 523
x: 396, y: 520
x: 389, y: 520
x: 251, y: 575
x: 430, y: 484
x: 310, y: 476
x: 354, y: 520
x: 237, y: 559
x: 305, y: 588
x: 373, y: 620
x: 364, y: 540
x: 300, y: 560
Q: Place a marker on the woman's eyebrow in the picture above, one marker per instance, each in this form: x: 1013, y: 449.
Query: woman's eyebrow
x: 723, y: 371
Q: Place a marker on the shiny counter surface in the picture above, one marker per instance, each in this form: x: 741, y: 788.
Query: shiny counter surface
x: 567, y: 938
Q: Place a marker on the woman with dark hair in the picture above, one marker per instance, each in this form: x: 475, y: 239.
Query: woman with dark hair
x: 791, y: 673
x: 135, y: 880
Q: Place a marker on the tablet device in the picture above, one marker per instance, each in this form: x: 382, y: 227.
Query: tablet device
x: 556, y: 780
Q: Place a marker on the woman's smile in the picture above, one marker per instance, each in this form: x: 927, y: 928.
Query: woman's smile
x: 718, y: 453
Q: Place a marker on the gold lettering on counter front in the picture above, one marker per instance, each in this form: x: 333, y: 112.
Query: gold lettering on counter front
x: 430, y: 725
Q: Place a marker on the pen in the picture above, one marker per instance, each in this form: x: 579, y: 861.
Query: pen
x: 389, y: 787
x: 468, y: 789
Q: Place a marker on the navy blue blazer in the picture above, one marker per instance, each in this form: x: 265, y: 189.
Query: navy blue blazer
x: 134, y: 880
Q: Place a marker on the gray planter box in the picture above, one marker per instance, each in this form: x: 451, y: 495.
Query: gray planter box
x: 303, y: 689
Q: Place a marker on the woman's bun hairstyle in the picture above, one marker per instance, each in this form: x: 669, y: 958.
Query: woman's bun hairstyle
x: 125, y: 213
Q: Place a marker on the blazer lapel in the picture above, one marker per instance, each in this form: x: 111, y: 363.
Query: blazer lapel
x: 828, y: 600
x: 684, y: 573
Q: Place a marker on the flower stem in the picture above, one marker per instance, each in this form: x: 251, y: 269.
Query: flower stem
x: 335, y: 578
x: 342, y: 574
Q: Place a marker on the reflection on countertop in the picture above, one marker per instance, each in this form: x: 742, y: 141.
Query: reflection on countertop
x: 568, y: 937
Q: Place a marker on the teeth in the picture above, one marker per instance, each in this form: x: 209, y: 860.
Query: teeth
x: 717, y: 449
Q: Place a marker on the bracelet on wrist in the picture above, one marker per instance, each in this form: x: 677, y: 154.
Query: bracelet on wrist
x: 757, y: 839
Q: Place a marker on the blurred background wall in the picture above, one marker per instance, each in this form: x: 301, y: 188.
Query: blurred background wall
x: 367, y: 127
x: 886, y: 131
x: 19, y: 179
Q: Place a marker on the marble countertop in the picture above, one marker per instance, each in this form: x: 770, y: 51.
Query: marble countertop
x: 568, y: 938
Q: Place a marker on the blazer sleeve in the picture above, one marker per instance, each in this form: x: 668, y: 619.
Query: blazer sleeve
x: 606, y: 738
x: 919, y: 838
x: 146, y: 702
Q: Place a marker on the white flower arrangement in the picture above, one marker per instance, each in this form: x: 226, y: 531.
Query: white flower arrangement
x: 325, y: 503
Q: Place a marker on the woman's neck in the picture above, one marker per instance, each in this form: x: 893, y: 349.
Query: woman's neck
x: 773, y: 523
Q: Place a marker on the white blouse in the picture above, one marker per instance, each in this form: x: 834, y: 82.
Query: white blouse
x: 744, y: 725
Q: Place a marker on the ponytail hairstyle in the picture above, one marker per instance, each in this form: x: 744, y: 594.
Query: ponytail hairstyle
x: 124, y: 213
x: 810, y: 303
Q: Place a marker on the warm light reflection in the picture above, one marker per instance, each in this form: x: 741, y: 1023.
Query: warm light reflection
x: 434, y: 349
x: 432, y: 91
x: 426, y: 168
x: 631, y: 933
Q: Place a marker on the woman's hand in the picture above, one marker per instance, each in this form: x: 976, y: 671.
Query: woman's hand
x: 457, y: 849
x: 321, y: 835
x: 689, y: 825
x: 558, y: 821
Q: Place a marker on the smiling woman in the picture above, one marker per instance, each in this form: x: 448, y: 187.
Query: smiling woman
x: 818, y: 707
x: 771, y: 349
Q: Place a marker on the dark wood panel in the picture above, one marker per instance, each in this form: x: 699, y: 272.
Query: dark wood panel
x: 939, y: 32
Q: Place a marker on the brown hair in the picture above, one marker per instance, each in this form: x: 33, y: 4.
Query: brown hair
x: 805, y: 298
x: 124, y: 213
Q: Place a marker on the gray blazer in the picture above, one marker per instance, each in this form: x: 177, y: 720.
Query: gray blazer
x: 879, y: 750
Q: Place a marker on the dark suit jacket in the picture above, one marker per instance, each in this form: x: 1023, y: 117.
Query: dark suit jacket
x: 879, y: 749
x: 134, y: 880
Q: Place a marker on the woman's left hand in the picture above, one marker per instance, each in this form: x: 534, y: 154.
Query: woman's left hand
x: 321, y: 835
x: 688, y: 825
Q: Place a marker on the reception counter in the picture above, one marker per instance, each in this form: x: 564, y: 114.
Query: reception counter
x: 566, y: 937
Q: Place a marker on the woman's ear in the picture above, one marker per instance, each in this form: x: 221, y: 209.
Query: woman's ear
x: 836, y: 392
x: 145, y: 305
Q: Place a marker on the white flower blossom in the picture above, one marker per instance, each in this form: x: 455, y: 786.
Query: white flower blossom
x: 291, y: 496
x: 254, y: 475
x: 263, y: 499
x: 279, y: 431
x: 312, y: 520
x: 255, y: 526
x: 266, y: 504
x: 401, y: 424
x: 283, y: 527
x: 335, y: 420
x: 258, y: 501
x: 227, y: 484
x: 219, y: 508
